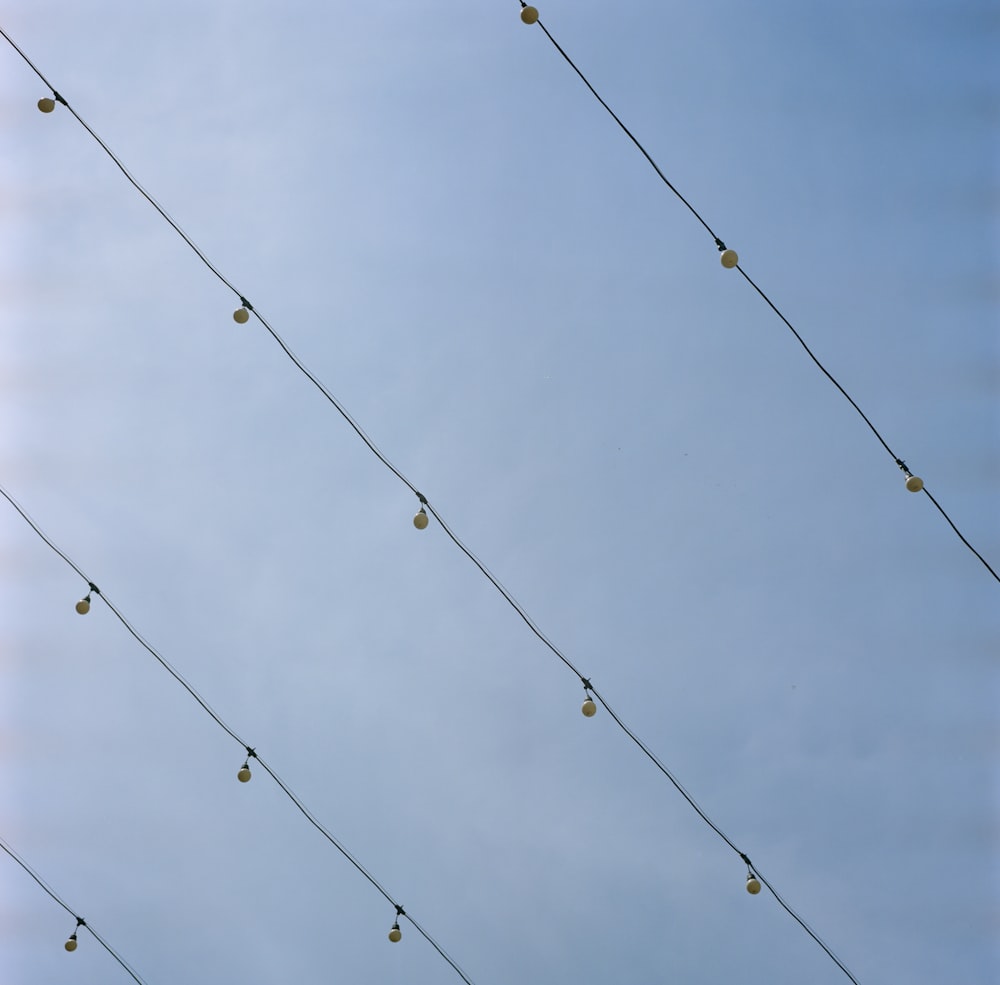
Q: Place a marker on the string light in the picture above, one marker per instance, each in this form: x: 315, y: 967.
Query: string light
x: 730, y: 259
x: 46, y: 104
x: 244, y: 774
x: 589, y: 708
x: 395, y: 934
x: 420, y: 520
x: 241, y: 315
x: 529, y: 14
x: 753, y: 884
x: 71, y: 941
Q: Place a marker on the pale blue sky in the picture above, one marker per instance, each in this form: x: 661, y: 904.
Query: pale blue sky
x: 457, y: 240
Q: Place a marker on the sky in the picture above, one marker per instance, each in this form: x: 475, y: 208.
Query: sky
x: 451, y: 233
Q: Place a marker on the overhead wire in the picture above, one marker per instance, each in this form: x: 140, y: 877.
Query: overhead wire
x: 250, y: 750
x: 80, y: 922
x: 331, y: 398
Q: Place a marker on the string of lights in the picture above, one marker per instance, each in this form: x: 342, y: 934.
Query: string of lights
x: 242, y: 314
x: 754, y: 880
x: 730, y: 260
x: 72, y: 940
x: 244, y: 774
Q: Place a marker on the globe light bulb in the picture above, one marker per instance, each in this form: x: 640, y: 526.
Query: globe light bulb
x: 529, y: 14
x: 588, y: 708
x: 753, y: 884
x: 914, y: 483
x: 241, y: 316
x: 83, y: 606
x: 729, y: 259
x: 420, y: 519
x: 46, y: 105
x: 395, y: 935
x: 244, y: 774
x: 70, y: 944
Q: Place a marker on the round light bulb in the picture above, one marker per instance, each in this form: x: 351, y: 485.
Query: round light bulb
x: 395, y: 935
x: 529, y: 14
x: 729, y: 259
x: 753, y: 884
x: 420, y: 520
x: 83, y: 606
x: 244, y: 774
x: 588, y: 708
x: 46, y: 105
x: 914, y: 483
x: 70, y: 944
x: 241, y: 316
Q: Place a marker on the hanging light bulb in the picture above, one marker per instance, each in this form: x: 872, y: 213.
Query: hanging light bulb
x: 420, y: 519
x: 46, y: 104
x: 395, y: 935
x: 70, y: 944
x: 588, y: 707
x: 914, y: 483
x: 753, y: 884
x: 244, y: 773
x: 241, y: 316
x: 729, y: 259
x: 529, y: 15
x: 83, y: 606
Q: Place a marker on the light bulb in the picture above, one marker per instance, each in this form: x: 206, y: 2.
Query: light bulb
x: 753, y: 884
x: 729, y: 259
x: 83, y: 606
x: 70, y: 944
x: 914, y: 483
x: 420, y: 520
x: 244, y: 774
x: 395, y: 935
x: 529, y: 14
x: 46, y: 105
x: 241, y: 316
x: 588, y: 708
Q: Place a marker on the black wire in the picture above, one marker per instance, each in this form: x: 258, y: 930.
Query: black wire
x: 833, y: 957
x: 80, y: 922
x: 251, y: 752
x: 764, y: 296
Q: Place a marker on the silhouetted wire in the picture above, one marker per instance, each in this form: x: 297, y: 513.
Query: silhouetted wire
x: 80, y: 922
x: 251, y: 752
x: 628, y: 133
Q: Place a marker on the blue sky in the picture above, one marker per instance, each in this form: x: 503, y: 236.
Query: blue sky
x: 452, y: 234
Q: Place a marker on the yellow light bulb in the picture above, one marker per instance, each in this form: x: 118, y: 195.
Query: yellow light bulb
x: 588, y: 708
x: 83, y: 606
x: 753, y: 884
x: 729, y: 259
x: 529, y: 14
x: 241, y: 316
x: 70, y: 944
x: 244, y: 774
x: 914, y: 483
x: 420, y: 520
x: 395, y: 935
x: 46, y: 105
